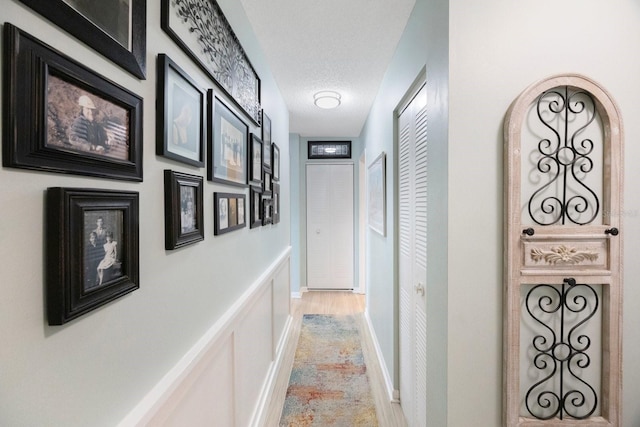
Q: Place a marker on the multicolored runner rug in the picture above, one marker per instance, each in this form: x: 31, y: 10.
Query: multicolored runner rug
x: 328, y: 384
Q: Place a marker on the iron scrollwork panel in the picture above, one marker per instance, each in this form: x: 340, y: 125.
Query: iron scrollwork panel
x: 561, y: 350
x: 565, y: 159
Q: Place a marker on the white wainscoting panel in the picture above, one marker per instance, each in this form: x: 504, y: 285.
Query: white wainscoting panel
x: 226, y: 378
x: 281, y: 303
x: 205, y: 394
x: 254, y: 353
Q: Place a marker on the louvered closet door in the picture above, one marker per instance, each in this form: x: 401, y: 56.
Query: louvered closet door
x: 412, y: 182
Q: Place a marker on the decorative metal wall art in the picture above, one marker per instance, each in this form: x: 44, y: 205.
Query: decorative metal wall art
x: 564, y: 158
x: 561, y: 353
x: 200, y: 28
x: 563, y: 244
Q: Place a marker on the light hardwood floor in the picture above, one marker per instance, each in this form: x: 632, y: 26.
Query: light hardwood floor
x: 333, y: 302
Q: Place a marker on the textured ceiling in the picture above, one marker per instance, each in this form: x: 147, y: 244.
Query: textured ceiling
x: 341, y: 45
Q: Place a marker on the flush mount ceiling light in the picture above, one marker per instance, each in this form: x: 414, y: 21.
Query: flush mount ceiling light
x: 327, y: 99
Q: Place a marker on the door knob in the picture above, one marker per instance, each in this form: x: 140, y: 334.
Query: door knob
x: 420, y: 289
x: 528, y: 231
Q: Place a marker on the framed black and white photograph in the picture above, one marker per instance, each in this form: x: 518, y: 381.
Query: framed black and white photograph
x: 92, y: 253
x: 227, y: 147
x: 275, y: 163
x: 266, y: 187
x: 377, y: 197
x: 117, y: 29
x: 266, y: 141
x: 276, y: 202
x: 267, y: 211
x: 229, y: 212
x: 183, y: 209
x: 62, y: 117
x: 180, y: 115
x: 255, y: 216
x: 255, y: 168
x: 202, y: 31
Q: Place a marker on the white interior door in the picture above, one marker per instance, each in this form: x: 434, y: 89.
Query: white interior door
x: 330, y: 220
x: 412, y: 191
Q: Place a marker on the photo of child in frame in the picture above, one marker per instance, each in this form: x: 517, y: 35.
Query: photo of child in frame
x: 102, y: 261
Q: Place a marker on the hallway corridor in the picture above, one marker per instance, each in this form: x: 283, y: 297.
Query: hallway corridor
x: 333, y: 302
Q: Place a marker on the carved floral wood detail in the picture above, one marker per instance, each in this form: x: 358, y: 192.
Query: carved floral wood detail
x: 562, y: 255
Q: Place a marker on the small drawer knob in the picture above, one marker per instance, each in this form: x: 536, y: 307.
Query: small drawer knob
x: 613, y: 231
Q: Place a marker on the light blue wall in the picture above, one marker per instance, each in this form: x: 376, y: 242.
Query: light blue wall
x: 423, y: 44
x: 299, y: 161
x: 94, y: 370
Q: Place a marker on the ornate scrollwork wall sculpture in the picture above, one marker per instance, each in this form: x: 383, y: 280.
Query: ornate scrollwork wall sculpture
x: 564, y: 158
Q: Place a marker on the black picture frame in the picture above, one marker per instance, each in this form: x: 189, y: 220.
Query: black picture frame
x: 201, y: 30
x: 255, y: 215
x: 276, y: 203
x: 267, y: 211
x: 266, y: 140
x: 266, y: 184
x: 86, y: 268
x: 275, y: 162
x: 49, y: 123
x: 329, y: 149
x: 227, y: 144
x: 255, y: 164
x: 183, y: 209
x: 229, y: 212
x: 180, y: 131
x: 103, y: 26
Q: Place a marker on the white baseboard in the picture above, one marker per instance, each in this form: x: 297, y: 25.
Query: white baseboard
x: 394, y: 395
x: 298, y: 294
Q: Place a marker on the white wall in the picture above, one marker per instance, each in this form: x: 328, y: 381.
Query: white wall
x: 497, y: 48
x: 94, y: 370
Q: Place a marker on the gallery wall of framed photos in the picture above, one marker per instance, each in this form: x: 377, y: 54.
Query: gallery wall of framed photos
x: 94, y: 112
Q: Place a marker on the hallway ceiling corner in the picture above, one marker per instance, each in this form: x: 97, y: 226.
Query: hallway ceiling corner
x: 315, y: 45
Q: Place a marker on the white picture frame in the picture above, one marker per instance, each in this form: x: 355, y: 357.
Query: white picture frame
x: 377, y: 194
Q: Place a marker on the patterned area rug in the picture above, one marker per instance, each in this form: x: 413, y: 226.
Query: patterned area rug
x: 328, y: 384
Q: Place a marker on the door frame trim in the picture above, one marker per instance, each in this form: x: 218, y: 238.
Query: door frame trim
x: 343, y: 162
x: 412, y: 91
